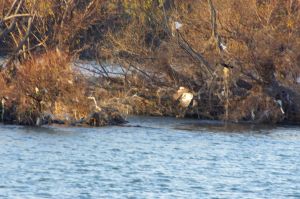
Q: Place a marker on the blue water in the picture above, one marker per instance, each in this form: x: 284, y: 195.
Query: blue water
x: 161, y: 158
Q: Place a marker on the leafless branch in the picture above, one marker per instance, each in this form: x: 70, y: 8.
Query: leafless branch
x: 165, y: 15
x: 179, y: 41
x: 13, y: 23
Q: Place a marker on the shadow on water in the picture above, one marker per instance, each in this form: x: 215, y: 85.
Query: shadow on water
x: 285, y: 132
x: 228, y: 127
x: 46, y: 129
x: 219, y: 127
x: 166, y: 124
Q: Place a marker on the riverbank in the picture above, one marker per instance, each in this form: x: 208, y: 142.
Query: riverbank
x: 234, y: 69
x: 52, y: 89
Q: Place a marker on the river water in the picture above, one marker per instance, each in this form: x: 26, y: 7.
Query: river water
x: 152, y: 158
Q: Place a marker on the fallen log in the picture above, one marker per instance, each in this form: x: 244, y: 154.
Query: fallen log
x: 201, y: 113
x: 82, y: 120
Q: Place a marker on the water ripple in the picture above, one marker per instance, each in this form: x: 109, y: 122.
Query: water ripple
x: 164, y: 158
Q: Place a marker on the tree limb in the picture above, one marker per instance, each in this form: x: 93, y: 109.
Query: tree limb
x: 207, y: 65
x: 12, y: 25
x: 82, y: 120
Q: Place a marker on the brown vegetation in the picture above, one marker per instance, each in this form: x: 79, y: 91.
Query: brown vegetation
x: 240, y: 59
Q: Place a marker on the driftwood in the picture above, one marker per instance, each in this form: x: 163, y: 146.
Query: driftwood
x: 201, y: 113
x: 82, y: 120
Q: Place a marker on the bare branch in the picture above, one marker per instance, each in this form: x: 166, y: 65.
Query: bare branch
x: 162, y: 3
x: 29, y: 26
x: 12, y: 7
x: 3, y: 4
x: 15, y: 16
x: 12, y: 25
x: 183, y: 45
x: 213, y: 18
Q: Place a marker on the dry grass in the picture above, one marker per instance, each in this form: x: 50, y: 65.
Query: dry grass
x: 258, y: 34
x: 46, y: 83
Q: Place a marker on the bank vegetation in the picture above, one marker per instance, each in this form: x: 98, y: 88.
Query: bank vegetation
x: 90, y: 61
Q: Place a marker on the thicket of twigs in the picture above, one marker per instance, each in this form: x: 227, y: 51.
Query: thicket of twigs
x: 240, y: 59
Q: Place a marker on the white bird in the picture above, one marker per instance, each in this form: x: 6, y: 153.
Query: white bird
x: 280, y: 104
x: 178, y: 25
x: 222, y: 46
x: 184, y: 96
x: 252, y: 114
x: 186, y: 99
